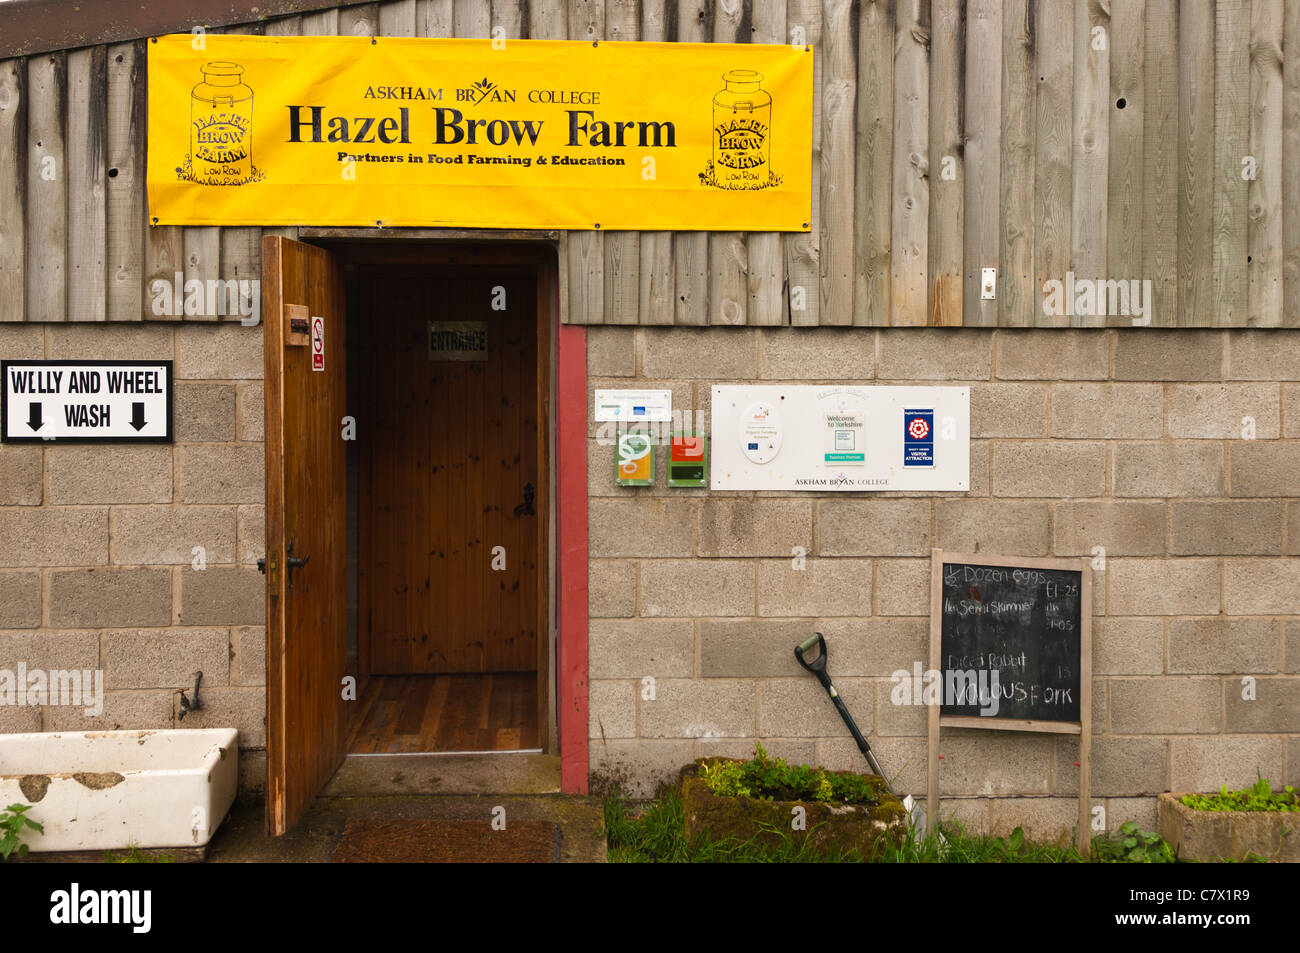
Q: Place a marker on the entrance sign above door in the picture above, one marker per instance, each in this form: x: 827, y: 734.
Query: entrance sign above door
x: 388, y: 131
x: 778, y: 437
x: 86, y: 402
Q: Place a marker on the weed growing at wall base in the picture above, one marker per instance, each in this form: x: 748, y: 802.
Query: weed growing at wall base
x: 13, y: 824
x: 1258, y: 797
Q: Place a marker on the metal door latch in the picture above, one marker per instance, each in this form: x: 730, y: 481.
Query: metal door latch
x: 294, y: 562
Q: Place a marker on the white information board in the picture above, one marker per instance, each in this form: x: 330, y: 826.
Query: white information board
x: 86, y: 401
x: 834, y: 437
x: 634, y: 406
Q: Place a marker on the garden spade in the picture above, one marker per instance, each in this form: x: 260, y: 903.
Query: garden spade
x: 815, y: 662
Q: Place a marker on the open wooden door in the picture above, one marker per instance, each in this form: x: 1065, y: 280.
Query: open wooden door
x: 303, y: 307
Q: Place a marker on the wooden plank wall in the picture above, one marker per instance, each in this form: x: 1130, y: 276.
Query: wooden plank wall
x: 1125, y: 139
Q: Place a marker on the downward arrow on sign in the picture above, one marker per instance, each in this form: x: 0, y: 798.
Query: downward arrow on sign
x: 137, y: 415
x: 34, y: 416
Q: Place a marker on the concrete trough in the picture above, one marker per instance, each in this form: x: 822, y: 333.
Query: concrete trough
x: 1227, y: 835
x: 109, y: 790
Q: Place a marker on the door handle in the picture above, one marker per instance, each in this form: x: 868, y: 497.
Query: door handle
x: 294, y: 562
x: 526, y: 507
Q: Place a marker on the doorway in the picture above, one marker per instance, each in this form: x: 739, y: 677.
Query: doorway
x: 410, y: 510
x: 447, y: 372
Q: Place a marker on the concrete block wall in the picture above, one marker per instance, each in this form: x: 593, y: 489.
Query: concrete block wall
x: 97, y: 542
x: 1129, y: 439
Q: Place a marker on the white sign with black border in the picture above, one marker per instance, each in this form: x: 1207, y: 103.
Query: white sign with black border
x: 86, y: 402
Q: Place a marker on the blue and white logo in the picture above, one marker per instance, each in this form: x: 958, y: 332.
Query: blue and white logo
x: 918, y: 437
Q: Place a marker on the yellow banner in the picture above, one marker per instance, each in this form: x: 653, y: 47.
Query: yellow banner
x: 361, y: 131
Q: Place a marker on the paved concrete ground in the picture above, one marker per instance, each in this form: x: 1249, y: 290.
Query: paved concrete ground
x: 578, y: 821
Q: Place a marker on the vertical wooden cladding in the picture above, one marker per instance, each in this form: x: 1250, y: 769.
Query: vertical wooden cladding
x: 1291, y: 165
x: 874, y: 162
x: 803, y: 250
x: 1052, y: 74
x: 1264, y: 248
x: 766, y: 304
x: 126, y: 206
x: 691, y: 249
x: 947, y: 197
x: 909, y: 239
x: 838, y: 100
x: 1160, y: 167
x: 47, y: 188
x: 655, y: 279
x: 728, y: 252
x: 1129, y: 139
x: 1092, y: 43
x: 622, y: 250
x: 1231, y: 145
x: 983, y: 123
x: 1017, y: 290
x: 1125, y: 169
x: 13, y: 139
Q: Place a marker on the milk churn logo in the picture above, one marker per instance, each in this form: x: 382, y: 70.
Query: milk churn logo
x: 221, y: 129
x: 742, y: 135
x: 918, y: 438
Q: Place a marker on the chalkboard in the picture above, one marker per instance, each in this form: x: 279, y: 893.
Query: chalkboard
x: 1011, y: 650
x: 1010, y: 645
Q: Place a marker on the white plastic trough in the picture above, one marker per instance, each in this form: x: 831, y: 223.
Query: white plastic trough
x: 107, y: 790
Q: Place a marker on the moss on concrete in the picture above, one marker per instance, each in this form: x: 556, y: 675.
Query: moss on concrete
x: 843, y: 827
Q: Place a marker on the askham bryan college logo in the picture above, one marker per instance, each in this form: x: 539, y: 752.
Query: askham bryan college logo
x: 918, y: 428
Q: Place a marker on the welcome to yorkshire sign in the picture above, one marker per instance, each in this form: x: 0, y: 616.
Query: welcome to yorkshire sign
x: 361, y: 131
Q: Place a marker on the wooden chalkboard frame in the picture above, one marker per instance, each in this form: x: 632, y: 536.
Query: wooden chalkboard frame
x: 1082, y: 727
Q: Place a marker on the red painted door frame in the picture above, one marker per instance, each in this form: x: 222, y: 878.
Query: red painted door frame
x: 571, y: 494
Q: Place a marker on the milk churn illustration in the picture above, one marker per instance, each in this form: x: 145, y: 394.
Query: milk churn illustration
x: 742, y: 122
x: 221, y: 126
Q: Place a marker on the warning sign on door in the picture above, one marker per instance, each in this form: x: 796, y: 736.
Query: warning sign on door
x: 86, y: 401
x: 317, y: 343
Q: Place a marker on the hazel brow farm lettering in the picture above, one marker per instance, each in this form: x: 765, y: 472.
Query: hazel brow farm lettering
x: 452, y: 127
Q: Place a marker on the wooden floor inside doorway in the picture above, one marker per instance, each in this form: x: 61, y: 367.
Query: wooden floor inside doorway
x: 408, y: 713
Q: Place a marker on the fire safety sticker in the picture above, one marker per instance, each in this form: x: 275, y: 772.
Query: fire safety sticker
x: 918, y: 437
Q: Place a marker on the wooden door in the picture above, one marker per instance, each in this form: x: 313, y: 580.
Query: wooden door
x: 306, y: 519
x: 450, y: 494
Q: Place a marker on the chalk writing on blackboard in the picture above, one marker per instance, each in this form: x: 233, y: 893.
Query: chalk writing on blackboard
x: 1010, y: 642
